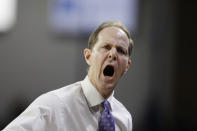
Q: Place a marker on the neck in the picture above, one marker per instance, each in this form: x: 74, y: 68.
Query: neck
x: 103, y: 92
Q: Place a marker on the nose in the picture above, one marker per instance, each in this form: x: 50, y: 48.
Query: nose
x: 113, y: 54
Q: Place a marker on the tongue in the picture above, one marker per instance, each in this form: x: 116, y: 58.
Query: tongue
x: 108, y: 71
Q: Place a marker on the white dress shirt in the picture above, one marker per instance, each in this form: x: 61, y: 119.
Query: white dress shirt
x: 76, y: 107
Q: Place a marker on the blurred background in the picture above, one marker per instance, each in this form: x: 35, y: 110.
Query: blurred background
x: 41, y: 49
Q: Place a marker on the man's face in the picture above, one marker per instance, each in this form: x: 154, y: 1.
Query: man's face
x: 108, y: 60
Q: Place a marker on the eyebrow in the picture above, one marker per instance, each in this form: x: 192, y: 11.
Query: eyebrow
x: 119, y: 46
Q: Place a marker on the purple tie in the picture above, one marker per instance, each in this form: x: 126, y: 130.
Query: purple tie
x: 107, y: 120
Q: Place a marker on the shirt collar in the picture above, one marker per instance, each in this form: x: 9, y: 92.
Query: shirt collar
x: 92, y: 95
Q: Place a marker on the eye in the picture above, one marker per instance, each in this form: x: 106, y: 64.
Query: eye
x: 107, y: 47
x: 122, y: 51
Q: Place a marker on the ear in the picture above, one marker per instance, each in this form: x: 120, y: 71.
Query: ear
x: 87, y: 53
x: 128, y: 65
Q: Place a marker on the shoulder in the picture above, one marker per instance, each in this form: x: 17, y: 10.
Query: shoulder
x: 57, y: 99
x: 54, y: 102
x: 67, y: 91
x: 61, y: 95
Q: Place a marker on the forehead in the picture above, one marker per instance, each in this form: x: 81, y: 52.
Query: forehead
x: 113, y: 35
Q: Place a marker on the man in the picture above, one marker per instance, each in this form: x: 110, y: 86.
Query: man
x: 87, y: 105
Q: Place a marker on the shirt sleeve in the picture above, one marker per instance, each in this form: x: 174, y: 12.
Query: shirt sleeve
x: 130, y: 123
x: 37, y: 117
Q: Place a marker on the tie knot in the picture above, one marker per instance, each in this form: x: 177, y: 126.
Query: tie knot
x: 106, y: 104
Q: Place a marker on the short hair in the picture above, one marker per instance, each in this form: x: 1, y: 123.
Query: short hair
x: 94, y: 36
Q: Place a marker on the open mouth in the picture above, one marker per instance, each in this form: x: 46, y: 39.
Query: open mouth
x: 108, y: 71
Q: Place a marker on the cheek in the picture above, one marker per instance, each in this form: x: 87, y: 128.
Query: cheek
x: 122, y: 66
x: 97, y: 61
x: 99, y: 58
x: 123, y: 63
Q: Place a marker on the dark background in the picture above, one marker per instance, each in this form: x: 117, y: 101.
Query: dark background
x: 159, y: 90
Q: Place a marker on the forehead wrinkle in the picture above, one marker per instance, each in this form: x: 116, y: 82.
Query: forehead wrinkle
x: 112, y: 34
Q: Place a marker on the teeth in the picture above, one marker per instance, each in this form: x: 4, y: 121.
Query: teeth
x: 108, y: 71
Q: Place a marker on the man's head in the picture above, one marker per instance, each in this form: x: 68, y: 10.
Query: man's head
x: 108, y: 56
x: 94, y: 36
